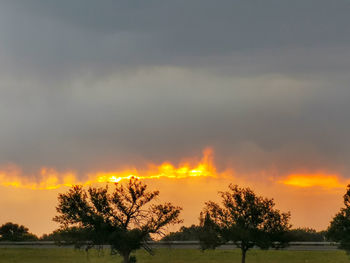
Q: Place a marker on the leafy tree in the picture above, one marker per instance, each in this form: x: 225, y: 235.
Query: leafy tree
x: 339, y: 229
x: 76, y: 236
x: 15, y: 232
x: 184, y: 234
x: 306, y: 235
x: 123, y: 218
x: 247, y: 219
x: 206, y: 233
x: 209, y: 237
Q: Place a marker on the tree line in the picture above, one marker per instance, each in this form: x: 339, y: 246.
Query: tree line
x: 193, y: 233
x: 128, y: 216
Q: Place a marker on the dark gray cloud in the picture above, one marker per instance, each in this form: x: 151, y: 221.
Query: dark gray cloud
x: 96, y: 85
x: 75, y: 34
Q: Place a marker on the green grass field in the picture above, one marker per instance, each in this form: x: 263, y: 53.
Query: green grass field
x: 22, y: 255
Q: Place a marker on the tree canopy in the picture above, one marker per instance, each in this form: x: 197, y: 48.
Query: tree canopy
x: 190, y: 233
x: 246, y: 219
x: 15, y: 232
x: 339, y: 229
x: 124, y: 217
x: 306, y: 235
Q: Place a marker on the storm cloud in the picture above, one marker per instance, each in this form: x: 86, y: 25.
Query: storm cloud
x: 88, y: 85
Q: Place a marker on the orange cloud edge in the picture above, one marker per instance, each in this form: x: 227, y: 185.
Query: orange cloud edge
x: 49, y: 178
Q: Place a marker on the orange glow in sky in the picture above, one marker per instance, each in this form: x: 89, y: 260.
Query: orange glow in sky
x: 51, y: 179
x: 310, y: 180
x: 312, y: 198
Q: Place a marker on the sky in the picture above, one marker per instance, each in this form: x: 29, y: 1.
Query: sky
x: 98, y: 86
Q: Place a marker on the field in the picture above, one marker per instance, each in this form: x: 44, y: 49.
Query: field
x: 60, y: 255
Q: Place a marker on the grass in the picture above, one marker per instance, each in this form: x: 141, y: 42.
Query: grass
x: 61, y: 255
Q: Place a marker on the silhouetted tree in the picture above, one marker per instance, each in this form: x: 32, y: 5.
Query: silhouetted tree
x: 123, y: 218
x: 184, y: 234
x: 306, y: 235
x: 209, y: 235
x: 76, y: 236
x: 247, y: 219
x: 339, y: 229
x: 15, y: 232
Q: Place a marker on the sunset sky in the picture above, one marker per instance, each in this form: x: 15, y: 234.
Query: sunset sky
x: 187, y: 95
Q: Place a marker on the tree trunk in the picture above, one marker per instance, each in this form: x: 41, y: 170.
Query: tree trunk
x: 126, y: 257
x: 244, y: 252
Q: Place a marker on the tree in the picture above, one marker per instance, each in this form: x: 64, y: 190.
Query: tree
x: 209, y: 235
x: 124, y: 218
x: 247, y: 219
x: 306, y: 235
x: 77, y: 236
x: 184, y: 234
x: 15, y: 232
x: 339, y: 229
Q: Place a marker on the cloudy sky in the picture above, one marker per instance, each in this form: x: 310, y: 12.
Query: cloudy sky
x: 87, y: 85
